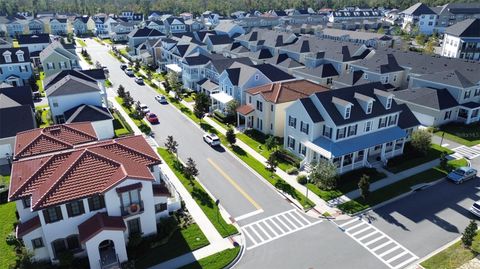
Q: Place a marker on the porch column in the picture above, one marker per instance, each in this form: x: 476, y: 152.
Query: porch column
x: 365, y: 156
x: 469, y: 116
x: 341, y: 163
x: 403, y: 144
x: 238, y: 119
x: 382, y: 154
x: 354, y: 155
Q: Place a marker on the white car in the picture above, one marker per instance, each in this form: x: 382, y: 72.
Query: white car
x: 144, y: 108
x: 211, y: 139
x: 139, y: 80
x: 129, y: 71
x: 475, y: 209
x: 161, y: 99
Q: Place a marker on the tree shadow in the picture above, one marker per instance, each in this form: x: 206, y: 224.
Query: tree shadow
x: 238, y: 150
x: 202, y: 197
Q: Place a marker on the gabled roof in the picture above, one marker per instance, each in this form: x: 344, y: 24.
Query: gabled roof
x: 311, y: 109
x: 219, y: 39
x: 273, y: 73
x: 145, y: 32
x: 466, y: 28
x: 19, y: 94
x: 97, y: 223
x: 352, y: 78
x: 437, y: 99
x: 54, y: 138
x: 225, y: 26
x: 14, y: 119
x: 282, y: 92
x: 322, y: 71
x: 418, y: 9
x: 13, y: 52
x: 33, y: 39
x: 57, y: 47
x: 85, y: 171
x: 450, y: 77
x: 91, y: 75
x: 71, y: 84
x: 87, y: 113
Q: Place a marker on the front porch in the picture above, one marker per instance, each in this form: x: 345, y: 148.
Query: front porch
x: 245, y: 117
x: 220, y: 101
x: 358, y: 152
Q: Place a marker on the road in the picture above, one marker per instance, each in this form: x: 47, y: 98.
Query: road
x: 278, y: 235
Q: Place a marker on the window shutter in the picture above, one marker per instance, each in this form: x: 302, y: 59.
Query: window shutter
x: 69, y: 210
x: 379, y: 123
x: 338, y: 131
x: 308, y: 125
x: 81, y: 207
x: 59, y: 212
x: 46, y: 216
x: 295, y: 123
x: 102, y: 200
x: 90, y: 204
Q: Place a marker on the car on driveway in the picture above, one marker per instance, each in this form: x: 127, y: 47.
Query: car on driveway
x: 139, y: 80
x: 462, y: 174
x: 129, y: 72
x: 211, y: 139
x: 144, y: 108
x: 152, y: 118
x: 161, y: 99
x: 123, y: 66
x: 475, y: 209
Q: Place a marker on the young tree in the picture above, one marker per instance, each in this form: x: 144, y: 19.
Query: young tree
x: 429, y: 47
x: 121, y: 91
x: 469, y: 233
x: 231, y: 107
x: 202, y: 104
x: 381, y: 31
x: 171, y: 145
x: 421, y: 39
x: 231, y: 137
x: 128, y: 100
x: 139, y: 114
x: 421, y: 141
x: 190, y: 170
x: 324, y: 174
x: 364, y: 186
x: 271, y: 143
x: 443, y: 161
x: 272, y: 162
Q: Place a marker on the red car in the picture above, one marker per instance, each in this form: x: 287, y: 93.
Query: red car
x: 152, y: 118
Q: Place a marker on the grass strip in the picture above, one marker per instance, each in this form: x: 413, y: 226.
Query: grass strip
x: 216, y: 261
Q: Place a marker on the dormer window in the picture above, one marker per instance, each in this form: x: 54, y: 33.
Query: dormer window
x: 369, y: 107
x: 8, y: 56
x: 365, y: 76
x: 389, y: 103
x: 348, y: 110
x: 257, y: 77
x: 20, y: 56
x: 467, y: 94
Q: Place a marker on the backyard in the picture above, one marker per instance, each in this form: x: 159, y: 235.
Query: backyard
x: 468, y: 135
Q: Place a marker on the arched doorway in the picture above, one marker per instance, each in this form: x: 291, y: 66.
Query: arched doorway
x: 108, y: 256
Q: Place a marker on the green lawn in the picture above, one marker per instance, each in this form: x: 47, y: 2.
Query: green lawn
x: 7, y: 211
x: 410, y: 158
x: 80, y: 42
x: 216, y: 261
x: 453, y: 256
x: 140, y: 123
x: 468, y: 135
x: 182, y: 241
x: 115, y: 56
x: 39, y: 83
x: 108, y: 41
x: 398, y: 188
x: 108, y: 83
x: 120, y: 127
x: 206, y: 203
x: 45, y: 116
x: 346, y: 183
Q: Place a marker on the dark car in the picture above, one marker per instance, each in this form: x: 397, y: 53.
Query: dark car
x: 123, y: 66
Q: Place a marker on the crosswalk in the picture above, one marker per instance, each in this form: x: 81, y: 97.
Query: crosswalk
x: 467, y: 152
x: 274, y: 227
x: 382, y: 246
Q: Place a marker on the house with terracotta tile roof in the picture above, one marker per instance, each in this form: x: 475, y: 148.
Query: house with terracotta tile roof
x: 265, y: 105
x: 75, y: 193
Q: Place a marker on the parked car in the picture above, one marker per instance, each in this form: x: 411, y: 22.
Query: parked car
x: 211, y: 139
x: 123, y: 66
x: 161, y: 99
x: 152, y: 118
x: 144, y: 108
x: 475, y: 209
x: 462, y: 174
x: 139, y: 80
x: 129, y: 72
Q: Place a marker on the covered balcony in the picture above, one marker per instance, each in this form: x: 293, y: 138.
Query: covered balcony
x: 469, y: 112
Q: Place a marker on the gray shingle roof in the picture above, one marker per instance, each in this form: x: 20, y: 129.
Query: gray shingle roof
x: 437, y: 99
x: 71, y: 85
x: 418, y: 9
x: 83, y: 113
x: 466, y: 28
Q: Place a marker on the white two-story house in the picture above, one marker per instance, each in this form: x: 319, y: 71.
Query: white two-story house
x: 352, y: 127
x: 77, y: 194
x: 419, y: 15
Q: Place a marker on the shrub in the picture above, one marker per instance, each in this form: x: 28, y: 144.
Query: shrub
x: 302, y: 179
x: 144, y: 128
x: 292, y: 171
x: 286, y: 156
x: 66, y: 259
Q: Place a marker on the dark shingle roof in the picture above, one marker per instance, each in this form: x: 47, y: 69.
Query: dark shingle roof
x: 14, y: 58
x: 145, y: 32
x: 418, y: 9
x: 15, y: 119
x: 437, y: 99
x: 87, y: 113
x: 21, y: 95
x: 311, y: 110
x: 220, y: 39
x: 407, y: 119
x: 466, y: 28
x: 33, y: 39
x: 273, y: 73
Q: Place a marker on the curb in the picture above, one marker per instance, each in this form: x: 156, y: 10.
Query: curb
x: 237, y: 259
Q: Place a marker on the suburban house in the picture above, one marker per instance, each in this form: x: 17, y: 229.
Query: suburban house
x: 5, y: 44
x: 217, y: 43
x: 57, y: 57
x: 238, y: 78
x: 83, y: 25
x: 71, y: 92
x: 15, y: 26
x: 452, y: 13
x: 36, y: 26
x: 174, y: 25
x: 155, y: 15
x: 370, y: 39
x: 77, y: 193
x: 16, y: 115
x: 35, y: 44
x: 229, y: 28
x: 462, y: 40
x: 15, y: 66
x: 192, y: 25
x: 157, y: 25
x: 346, y: 15
x: 140, y: 35
x: 419, y: 15
x: 265, y: 106
x: 59, y: 26
x: 120, y: 30
x: 352, y: 127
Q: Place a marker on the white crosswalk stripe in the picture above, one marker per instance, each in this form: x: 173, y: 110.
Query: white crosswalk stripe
x: 387, y: 250
x: 274, y: 227
x: 467, y: 152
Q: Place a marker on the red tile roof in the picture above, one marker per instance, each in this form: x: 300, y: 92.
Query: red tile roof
x: 98, y: 223
x: 245, y: 109
x: 81, y: 172
x: 28, y: 226
x: 53, y: 138
x: 282, y: 92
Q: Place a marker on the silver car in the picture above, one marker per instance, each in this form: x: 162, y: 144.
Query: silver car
x: 462, y: 174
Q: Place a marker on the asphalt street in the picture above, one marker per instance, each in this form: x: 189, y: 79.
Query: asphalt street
x: 278, y: 237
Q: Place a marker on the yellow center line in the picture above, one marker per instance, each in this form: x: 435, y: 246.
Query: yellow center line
x: 234, y: 184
